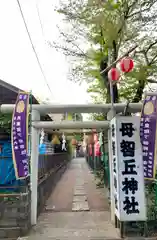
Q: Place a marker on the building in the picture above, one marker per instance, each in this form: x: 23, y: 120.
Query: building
x: 8, y: 95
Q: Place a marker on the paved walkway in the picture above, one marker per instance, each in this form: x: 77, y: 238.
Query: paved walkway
x: 76, y: 209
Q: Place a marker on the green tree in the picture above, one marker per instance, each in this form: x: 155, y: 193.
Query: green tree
x: 73, y: 116
x: 77, y: 116
x: 109, y: 29
x: 5, y: 124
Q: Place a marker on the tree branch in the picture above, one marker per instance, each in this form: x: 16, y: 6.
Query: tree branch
x: 145, y: 54
x: 151, y: 45
x: 153, y: 60
x: 115, y: 62
x: 67, y: 51
x: 152, y: 81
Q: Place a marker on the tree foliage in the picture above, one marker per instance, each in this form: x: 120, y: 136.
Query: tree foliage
x: 108, y: 29
x: 5, y: 124
x: 73, y: 116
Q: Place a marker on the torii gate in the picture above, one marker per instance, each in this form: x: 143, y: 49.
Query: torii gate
x: 38, y: 110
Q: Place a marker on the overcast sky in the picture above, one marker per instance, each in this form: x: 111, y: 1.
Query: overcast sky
x: 18, y: 64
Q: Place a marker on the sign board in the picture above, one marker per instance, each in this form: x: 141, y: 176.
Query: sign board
x: 148, y: 134
x: 127, y: 162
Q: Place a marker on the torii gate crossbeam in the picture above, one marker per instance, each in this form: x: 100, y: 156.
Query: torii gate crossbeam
x: 71, y: 125
x: 73, y: 108
x: 43, y: 109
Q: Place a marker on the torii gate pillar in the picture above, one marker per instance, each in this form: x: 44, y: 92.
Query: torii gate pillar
x: 34, y: 167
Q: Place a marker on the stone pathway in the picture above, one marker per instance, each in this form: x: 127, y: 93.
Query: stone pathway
x: 80, y: 202
x: 76, y: 210
x: 97, y: 197
x: 62, y: 196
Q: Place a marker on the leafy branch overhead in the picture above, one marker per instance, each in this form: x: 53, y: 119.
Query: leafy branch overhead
x: 99, y: 30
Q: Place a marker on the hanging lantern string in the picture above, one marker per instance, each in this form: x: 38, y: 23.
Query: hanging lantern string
x: 120, y: 58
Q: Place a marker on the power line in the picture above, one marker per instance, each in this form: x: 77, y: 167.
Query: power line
x: 33, y: 47
x: 42, y: 29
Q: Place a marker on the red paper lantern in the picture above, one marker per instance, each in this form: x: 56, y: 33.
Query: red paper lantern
x: 97, y: 151
x: 114, y: 74
x: 126, y: 64
x: 90, y: 150
x: 95, y: 137
x: 90, y: 139
x: 73, y: 141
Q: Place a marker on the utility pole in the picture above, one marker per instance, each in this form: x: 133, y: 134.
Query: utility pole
x: 110, y: 115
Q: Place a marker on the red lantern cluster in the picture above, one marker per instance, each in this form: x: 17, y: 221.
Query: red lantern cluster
x: 126, y: 65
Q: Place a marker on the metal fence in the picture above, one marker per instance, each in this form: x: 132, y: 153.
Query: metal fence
x: 51, y: 169
x: 50, y: 161
x: 15, y: 213
x: 147, y: 228
x: 130, y: 229
x: 15, y: 200
x: 95, y: 163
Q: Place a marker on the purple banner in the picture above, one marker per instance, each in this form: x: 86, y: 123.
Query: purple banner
x: 148, y: 133
x: 20, y: 136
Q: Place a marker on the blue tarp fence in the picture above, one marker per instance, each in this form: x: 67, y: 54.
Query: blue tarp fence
x: 7, y: 172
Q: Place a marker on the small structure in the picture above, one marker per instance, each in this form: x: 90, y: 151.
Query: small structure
x: 9, y: 94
